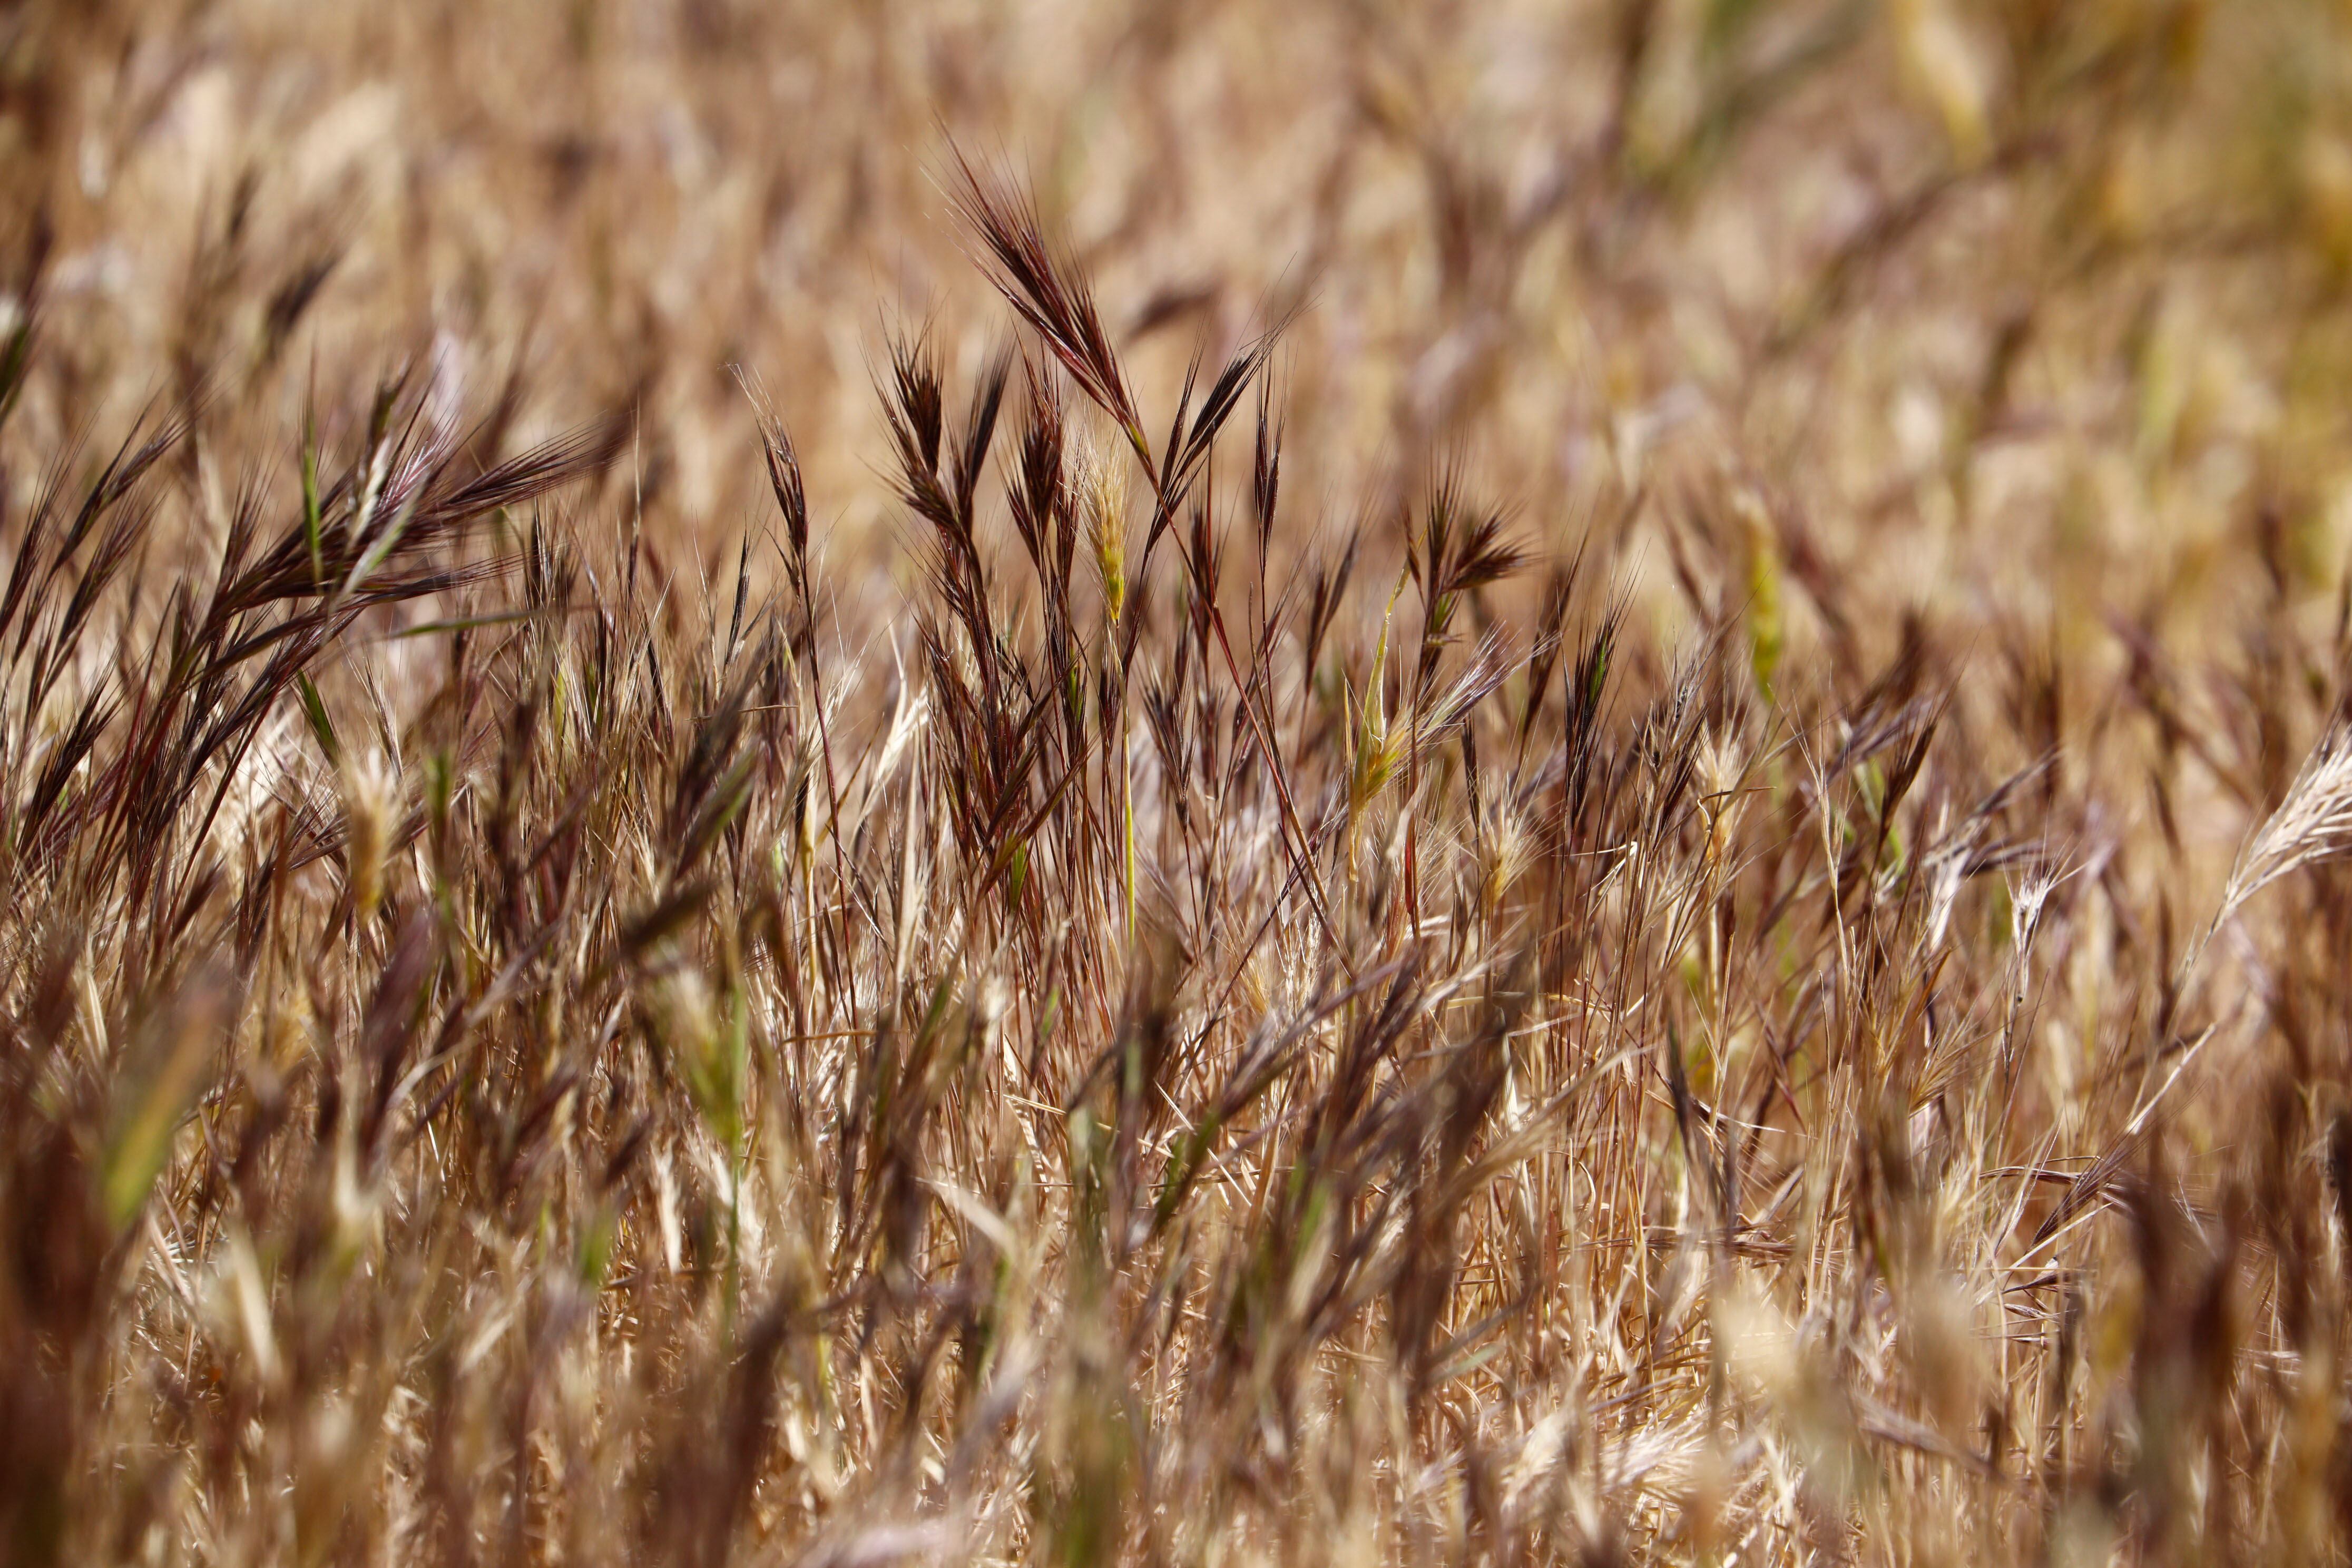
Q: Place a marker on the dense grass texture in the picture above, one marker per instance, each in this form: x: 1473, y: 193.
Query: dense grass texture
x: 1308, y: 784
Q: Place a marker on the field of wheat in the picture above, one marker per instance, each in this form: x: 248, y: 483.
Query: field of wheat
x: 1274, y: 780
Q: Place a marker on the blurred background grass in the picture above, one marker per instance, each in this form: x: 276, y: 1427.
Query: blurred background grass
x: 2013, y: 307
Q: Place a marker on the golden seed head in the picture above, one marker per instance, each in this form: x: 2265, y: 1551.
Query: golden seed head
x: 370, y: 788
x: 1099, y: 481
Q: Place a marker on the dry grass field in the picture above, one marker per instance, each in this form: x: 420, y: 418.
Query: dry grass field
x: 1272, y: 781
